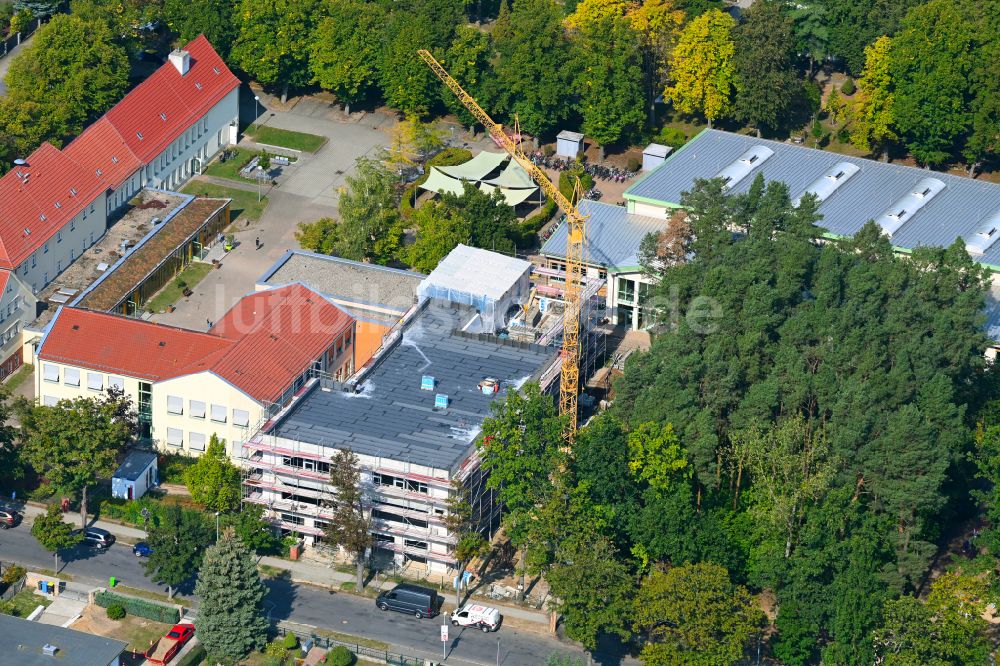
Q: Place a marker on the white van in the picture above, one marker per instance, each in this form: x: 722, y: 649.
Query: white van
x: 474, y: 615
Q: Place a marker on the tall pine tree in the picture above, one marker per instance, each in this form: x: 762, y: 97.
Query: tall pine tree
x: 231, y: 622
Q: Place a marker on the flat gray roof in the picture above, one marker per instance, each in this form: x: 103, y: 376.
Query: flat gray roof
x: 877, y: 188
x: 22, y: 644
x: 355, y: 286
x: 135, y: 465
x: 613, y: 236
x: 391, y: 416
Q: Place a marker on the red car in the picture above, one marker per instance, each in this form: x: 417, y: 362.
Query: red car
x: 165, y: 649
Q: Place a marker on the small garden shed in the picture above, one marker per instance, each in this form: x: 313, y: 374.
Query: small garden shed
x: 136, y: 475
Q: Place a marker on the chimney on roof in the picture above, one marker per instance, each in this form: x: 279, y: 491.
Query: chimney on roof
x: 181, y: 60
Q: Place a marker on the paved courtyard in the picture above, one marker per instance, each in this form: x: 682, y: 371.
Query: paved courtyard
x: 305, y: 192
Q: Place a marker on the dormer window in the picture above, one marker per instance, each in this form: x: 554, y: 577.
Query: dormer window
x: 114, y: 159
x: 197, y: 85
x: 139, y: 134
x: 216, y: 70
x: 73, y: 192
x: 98, y: 172
x: 58, y: 205
x: 163, y: 116
x: 42, y: 217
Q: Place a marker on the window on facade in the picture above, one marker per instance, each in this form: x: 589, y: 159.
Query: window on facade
x: 49, y: 401
x: 196, y: 441
x: 241, y: 417
x: 380, y: 479
x: 410, y: 543
x: 95, y: 381
x: 219, y: 413
x: 45, y: 249
x: 626, y: 290
x: 116, y: 382
x: 33, y: 261
x: 175, y: 436
x: 306, y: 463
x: 196, y: 409
x: 71, y: 377
x: 59, y: 236
x: 292, y: 518
x: 378, y: 514
x: 72, y: 225
x: 175, y: 404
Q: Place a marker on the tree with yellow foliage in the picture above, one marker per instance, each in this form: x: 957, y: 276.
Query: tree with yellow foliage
x: 872, y: 116
x: 702, y: 74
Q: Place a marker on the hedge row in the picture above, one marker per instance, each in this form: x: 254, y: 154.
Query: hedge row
x: 141, y: 607
x: 130, y: 511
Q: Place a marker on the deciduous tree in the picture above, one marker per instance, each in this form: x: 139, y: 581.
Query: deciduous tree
x: 702, y: 68
x: 350, y: 526
x: 320, y: 236
x: 345, y: 48
x: 693, y: 614
x: 216, y: 19
x: 533, y: 72
x: 765, y: 78
x: 69, y: 75
x: 872, y: 118
x: 77, y: 442
x: 272, y: 45
x: 53, y: 534
x: 370, y: 227
x: 231, y: 620
x: 178, y: 543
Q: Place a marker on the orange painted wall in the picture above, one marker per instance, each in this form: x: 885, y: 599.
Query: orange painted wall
x: 367, y: 340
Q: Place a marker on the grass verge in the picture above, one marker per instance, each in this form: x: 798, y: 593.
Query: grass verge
x: 192, y: 274
x: 230, y: 168
x: 26, y: 601
x: 19, y: 377
x: 349, y: 638
x: 146, y: 594
x: 274, y: 136
x: 245, y: 205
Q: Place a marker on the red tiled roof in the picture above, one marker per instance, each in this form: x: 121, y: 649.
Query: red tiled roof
x: 101, y: 152
x: 39, y: 198
x: 261, y: 346
x: 53, y: 174
x: 163, y: 106
x: 131, y: 347
x: 278, y: 334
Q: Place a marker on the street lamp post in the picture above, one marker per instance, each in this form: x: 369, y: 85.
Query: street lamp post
x: 256, y: 107
x: 216, y: 526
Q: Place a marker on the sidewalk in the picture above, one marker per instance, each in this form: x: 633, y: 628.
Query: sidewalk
x: 309, y: 573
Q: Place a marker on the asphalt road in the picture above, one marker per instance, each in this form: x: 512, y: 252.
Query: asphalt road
x: 305, y: 604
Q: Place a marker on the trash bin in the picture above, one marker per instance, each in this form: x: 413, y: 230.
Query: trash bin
x: 44, y: 584
x: 112, y: 581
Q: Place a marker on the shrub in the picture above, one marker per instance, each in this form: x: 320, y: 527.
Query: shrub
x: 548, y: 150
x: 276, y: 648
x: 633, y: 164
x: 673, y: 137
x: 141, y: 607
x: 290, y: 642
x: 115, y: 612
x: 340, y: 656
x: 567, y: 180
x: 848, y: 88
x: 12, y: 574
x: 130, y: 511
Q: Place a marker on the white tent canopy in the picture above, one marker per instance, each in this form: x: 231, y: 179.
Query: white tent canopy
x: 513, y: 176
x: 513, y: 197
x: 477, y: 168
x: 440, y: 182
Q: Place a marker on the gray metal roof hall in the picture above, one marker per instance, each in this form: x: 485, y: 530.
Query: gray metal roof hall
x: 915, y: 207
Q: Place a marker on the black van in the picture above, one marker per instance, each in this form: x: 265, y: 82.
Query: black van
x: 413, y: 599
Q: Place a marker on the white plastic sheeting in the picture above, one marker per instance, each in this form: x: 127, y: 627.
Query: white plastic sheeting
x: 487, y: 281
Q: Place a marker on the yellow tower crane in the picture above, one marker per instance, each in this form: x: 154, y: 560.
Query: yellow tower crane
x: 569, y: 382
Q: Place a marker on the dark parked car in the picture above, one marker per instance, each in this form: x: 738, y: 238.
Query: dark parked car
x: 142, y: 549
x: 95, y: 537
x: 412, y: 599
x: 9, y: 518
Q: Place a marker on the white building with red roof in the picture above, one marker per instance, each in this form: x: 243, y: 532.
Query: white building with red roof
x: 56, y: 203
x: 17, y: 309
x: 189, y: 385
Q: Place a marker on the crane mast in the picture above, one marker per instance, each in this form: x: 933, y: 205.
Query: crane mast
x: 569, y: 380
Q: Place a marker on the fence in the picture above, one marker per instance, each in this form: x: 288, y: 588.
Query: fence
x: 325, y: 642
x: 13, y: 589
x: 11, y: 42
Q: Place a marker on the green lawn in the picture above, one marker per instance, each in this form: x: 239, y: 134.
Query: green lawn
x: 273, y: 136
x: 22, y: 375
x: 26, y: 601
x: 194, y: 273
x: 230, y: 168
x: 245, y: 205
